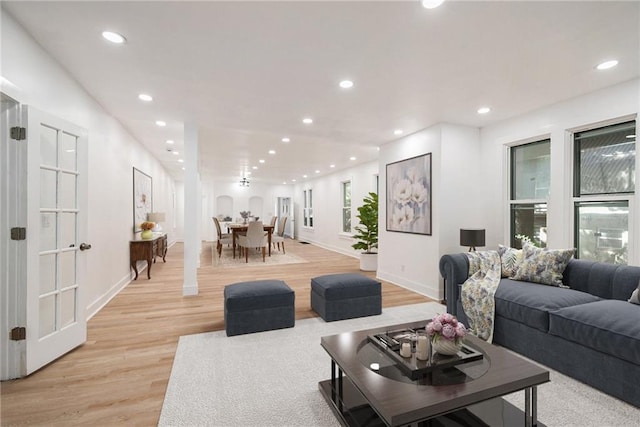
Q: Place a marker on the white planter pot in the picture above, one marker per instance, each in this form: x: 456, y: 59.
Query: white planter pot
x: 368, y: 262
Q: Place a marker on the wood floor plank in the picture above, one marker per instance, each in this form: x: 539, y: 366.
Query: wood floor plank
x: 120, y: 375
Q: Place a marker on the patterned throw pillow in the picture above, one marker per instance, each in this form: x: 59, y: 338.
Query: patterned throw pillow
x: 510, y: 259
x: 635, y: 296
x: 544, y: 266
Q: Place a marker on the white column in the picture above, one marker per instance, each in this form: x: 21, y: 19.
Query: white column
x: 191, y: 210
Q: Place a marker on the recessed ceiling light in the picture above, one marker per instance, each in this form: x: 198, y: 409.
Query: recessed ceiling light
x: 284, y: 183
x: 304, y: 176
x: 293, y: 180
x: 182, y: 168
x: 161, y: 123
x: 317, y: 171
x: 285, y: 139
x: 332, y: 166
x: 113, y: 37
x: 431, y: 4
x: 261, y: 160
x: 170, y: 141
x: 346, y: 84
x: 307, y: 121
x: 254, y: 168
x: 272, y: 151
x: 398, y: 132
x: 145, y: 97
x: 248, y: 173
x: 175, y: 153
x: 180, y: 160
x: 352, y: 158
x: 483, y: 110
x: 607, y: 64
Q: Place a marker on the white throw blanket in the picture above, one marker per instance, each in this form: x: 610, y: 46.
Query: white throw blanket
x: 478, y: 292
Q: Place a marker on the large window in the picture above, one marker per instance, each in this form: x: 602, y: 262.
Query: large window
x: 604, y: 182
x: 346, y: 207
x: 308, y: 208
x: 529, y: 190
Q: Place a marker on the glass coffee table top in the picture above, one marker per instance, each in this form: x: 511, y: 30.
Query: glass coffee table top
x: 376, y: 360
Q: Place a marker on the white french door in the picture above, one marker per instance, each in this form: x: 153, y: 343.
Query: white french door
x: 56, y: 232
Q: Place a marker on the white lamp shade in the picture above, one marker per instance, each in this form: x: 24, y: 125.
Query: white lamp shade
x: 156, y: 217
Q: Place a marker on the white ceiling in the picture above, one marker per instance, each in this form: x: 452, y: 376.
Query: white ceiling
x: 248, y: 72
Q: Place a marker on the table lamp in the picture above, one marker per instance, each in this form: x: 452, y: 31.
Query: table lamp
x: 156, y: 218
x: 472, y: 237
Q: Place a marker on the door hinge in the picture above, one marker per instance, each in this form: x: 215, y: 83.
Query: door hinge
x: 18, y: 333
x: 18, y: 233
x: 18, y: 133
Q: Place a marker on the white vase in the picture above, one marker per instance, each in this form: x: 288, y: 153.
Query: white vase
x: 368, y: 261
x: 446, y: 347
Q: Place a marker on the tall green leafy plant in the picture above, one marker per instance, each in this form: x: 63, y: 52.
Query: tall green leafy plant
x: 367, y: 231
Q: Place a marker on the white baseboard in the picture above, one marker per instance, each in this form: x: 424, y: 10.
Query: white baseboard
x: 332, y: 248
x: 403, y: 282
x: 190, y: 290
x: 97, y: 305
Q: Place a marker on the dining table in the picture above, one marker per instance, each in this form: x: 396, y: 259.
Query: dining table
x: 235, y: 229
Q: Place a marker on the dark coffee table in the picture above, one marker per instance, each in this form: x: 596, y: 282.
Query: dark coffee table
x: 367, y: 389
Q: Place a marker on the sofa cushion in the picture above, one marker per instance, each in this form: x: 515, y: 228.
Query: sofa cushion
x: 530, y: 303
x: 608, y: 326
x: 510, y: 259
x: 543, y: 266
x: 625, y: 281
x: 635, y: 296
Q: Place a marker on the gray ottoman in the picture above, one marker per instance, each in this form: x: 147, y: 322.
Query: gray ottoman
x: 345, y: 296
x: 261, y: 305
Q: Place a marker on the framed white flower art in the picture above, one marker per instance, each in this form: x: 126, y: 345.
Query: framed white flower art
x: 409, y: 195
x: 142, y: 198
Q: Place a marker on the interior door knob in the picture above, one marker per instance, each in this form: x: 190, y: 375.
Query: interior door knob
x: 84, y: 247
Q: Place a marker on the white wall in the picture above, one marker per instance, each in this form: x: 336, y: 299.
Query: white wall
x: 45, y: 85
x: 553, y: 122
x: 411, y: 260
x: 327, y: 206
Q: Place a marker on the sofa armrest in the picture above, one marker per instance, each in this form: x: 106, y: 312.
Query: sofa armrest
x: 454, y: 268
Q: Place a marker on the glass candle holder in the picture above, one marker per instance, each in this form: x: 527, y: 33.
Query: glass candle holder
x: 423, y: 346
x: 405, y: 347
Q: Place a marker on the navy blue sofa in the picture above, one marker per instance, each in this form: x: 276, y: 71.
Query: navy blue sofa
x: 587, y: 331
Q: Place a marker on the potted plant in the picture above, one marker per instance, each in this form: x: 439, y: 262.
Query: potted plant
x: 367, y: 233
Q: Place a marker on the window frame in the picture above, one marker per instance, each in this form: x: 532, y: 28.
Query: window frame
x: 600, y: 199
x: 307, y: 210
x: 346, y: 205
x: 513, y: 203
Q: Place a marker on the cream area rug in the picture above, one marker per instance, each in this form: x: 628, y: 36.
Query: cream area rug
x: 271, y: 379
x: 255, y: 258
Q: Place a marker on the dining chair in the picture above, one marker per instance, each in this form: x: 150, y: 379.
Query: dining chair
x: 223, y: 238
x: 273, y: 221
x: 279, y: 236
x: 256, y: 237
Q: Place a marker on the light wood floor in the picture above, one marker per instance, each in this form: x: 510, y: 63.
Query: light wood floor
x: 120, y: 375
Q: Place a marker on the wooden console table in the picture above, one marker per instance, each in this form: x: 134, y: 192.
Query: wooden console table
x: 147, y: 250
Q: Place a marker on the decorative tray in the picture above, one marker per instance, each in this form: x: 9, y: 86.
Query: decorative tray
x: 412, y: 366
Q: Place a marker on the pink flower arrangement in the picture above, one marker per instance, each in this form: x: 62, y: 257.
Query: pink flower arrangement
x: 446, y: 326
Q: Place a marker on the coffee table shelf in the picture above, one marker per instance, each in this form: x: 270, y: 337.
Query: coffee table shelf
x: 354, y: 410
